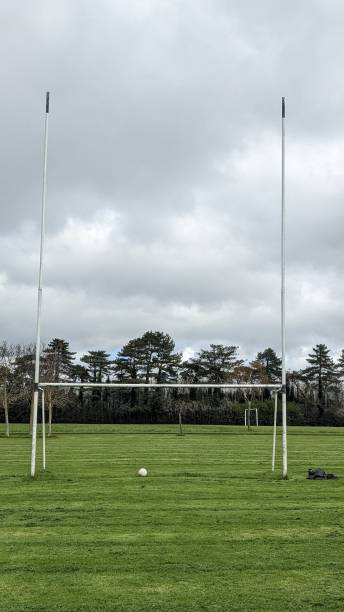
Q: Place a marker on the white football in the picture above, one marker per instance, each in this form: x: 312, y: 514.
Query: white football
x: 142, y: 472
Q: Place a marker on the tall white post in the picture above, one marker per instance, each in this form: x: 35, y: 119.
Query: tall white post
x: 284, y: 391
x: 39, y: 297
x: 274, y: 433
x: 43, y: 430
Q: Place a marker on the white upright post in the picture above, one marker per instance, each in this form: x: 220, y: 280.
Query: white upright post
x: 274, y: 433
x: 43, y: 430
x: 39, y: 298
x: 284, y: 390
x: 257, y: 424
x: 245, y: 419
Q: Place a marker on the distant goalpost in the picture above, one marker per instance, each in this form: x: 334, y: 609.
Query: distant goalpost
x: 247, y: 417
x: 39, y: 387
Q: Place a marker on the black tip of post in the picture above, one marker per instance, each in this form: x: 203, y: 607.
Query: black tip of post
x: 283, y: 108
x: 47, y: 102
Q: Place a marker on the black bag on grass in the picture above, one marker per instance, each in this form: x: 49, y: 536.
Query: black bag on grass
x: 319, y: 474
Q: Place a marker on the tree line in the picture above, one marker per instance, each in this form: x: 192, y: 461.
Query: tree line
x: 315, y: 392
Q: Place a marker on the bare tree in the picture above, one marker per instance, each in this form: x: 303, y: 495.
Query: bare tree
x: 8, y: 355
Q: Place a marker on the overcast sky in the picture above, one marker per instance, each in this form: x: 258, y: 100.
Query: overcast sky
x: 163, y: 207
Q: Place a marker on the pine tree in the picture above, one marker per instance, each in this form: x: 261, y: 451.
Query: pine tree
x: 127, y: 362
x: 56, y: 365
x: 79, y: 373
x: 150, y: 358
x: 340, y: 365
x: 98, y: 365
x: 57, y: 360
x: 270, y: 364
x: 159, y: 363
x: 213, y: 365
x: 192, y: 371
x: 321, y: 372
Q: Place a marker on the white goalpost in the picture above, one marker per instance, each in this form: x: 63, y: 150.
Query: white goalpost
x: 247, y: 417
x: 274, y: 433
x: 284, y: 378
x: 39, y: 387
x: 39, y: 297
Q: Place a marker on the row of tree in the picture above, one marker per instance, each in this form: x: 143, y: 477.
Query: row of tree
x: 152, y: 358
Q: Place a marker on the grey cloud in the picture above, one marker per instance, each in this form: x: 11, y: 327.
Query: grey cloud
x: 164, y: 170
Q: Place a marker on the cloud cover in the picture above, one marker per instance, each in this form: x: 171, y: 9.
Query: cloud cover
x: 164, y: 171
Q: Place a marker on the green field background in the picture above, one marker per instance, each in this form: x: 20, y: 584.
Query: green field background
x: 210, y: 528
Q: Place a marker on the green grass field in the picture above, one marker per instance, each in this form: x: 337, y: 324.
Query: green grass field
x: 209, y: 529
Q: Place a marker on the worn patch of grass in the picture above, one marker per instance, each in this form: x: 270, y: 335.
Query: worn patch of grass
x: 209, y: 529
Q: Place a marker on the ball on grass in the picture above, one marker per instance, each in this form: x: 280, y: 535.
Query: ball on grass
x: 142, y: 472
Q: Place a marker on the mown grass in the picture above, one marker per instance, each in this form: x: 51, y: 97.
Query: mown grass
x: 209, y: 529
